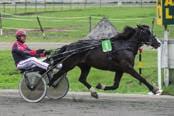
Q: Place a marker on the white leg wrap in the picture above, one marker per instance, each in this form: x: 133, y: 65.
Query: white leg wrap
x: 103, y: 86
x: 159, y: 92
x: 92, y: 89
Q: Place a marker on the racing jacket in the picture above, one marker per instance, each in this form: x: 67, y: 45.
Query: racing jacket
x: 21, y: 51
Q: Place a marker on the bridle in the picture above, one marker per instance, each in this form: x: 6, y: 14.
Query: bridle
x: 149, y: 43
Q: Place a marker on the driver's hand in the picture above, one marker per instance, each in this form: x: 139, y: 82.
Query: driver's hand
x: 47, y: 52
x: 39, y: 51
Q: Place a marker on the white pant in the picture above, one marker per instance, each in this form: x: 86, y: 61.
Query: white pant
x: 32, y: 62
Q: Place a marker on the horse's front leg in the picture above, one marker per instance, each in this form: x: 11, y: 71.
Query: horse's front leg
x: 83, y: 79
x: 136, y: 75
x: 116, y: 83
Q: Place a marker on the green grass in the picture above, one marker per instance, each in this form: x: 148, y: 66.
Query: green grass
x: 9, y: 76
x: 72, y: 29
x: 168, y: 90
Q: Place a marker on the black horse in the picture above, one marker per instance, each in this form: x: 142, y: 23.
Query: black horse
x: 120, y: 60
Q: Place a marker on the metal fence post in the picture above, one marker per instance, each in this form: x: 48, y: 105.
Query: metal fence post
x: 25, y: 5
x: 45, y: 5
x: 35, y: 5
x: 159, y: 69
x: 70, y: 4
x: 4, y: 6
x: 100, y: 3
x: 85, y: 4
x: 15, y: 7
x: 61, y: 5
x: 53, y: 5
x: 1, y: 31
x: 141, y: 3
x: 166, y: 69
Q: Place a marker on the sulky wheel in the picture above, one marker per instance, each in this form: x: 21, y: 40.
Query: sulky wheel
x: 59, y: 89
x: 32, y: 87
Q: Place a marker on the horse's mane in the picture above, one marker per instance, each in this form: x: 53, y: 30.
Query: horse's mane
x: 126, y: 34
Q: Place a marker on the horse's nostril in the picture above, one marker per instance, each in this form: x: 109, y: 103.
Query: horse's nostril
x: 159, y: 44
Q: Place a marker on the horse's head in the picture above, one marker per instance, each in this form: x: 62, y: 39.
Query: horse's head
x: 146, y: 37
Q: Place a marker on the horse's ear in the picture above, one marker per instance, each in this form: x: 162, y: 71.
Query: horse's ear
x: 143, y: 26
x: 139, y: 26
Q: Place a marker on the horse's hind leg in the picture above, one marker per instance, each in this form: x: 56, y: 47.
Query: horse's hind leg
x: 83, y: 79
x: 117, y: 79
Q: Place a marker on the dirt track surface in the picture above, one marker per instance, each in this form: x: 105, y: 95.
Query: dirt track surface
x: 81, y: 104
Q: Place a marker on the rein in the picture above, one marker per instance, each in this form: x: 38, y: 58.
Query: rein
x: 71, y: 52
x: 75, y: 50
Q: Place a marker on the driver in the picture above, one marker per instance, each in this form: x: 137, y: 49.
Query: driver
x: 24, y: 57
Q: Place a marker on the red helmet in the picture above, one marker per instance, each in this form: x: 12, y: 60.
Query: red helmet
x: 21, y: 32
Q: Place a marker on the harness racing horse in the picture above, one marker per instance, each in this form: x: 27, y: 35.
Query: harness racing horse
x: 120, y: 60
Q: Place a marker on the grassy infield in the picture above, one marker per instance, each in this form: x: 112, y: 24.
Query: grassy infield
x: 71, y: 29
x: 9, y: 77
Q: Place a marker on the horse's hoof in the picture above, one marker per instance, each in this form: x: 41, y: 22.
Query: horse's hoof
x: 99, y: 86
x: 94, y: 94
x: 156, y: 91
